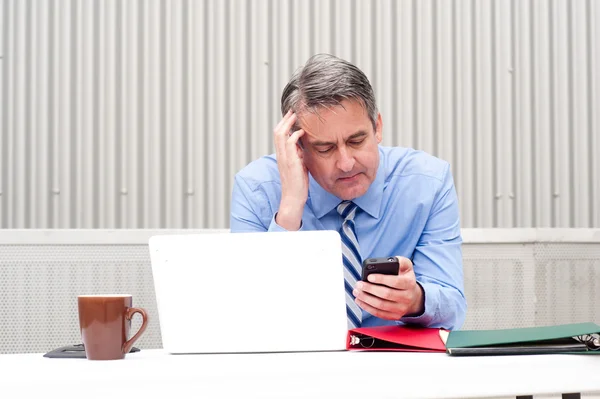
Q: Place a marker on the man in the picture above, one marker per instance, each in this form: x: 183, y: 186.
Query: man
x: 330, y: 173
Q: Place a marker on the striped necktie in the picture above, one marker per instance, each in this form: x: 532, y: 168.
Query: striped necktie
x: 352, y: 261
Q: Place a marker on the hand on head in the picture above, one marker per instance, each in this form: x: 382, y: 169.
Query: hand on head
x: 292, y: 171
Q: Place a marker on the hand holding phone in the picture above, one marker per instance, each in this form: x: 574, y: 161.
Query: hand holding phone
x: 388, y: 265
x: 393, y: 296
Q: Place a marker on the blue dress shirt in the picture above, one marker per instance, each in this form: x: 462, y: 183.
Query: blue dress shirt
x: 410, y: 209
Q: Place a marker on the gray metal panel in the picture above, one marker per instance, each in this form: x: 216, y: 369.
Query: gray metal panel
x: 138, y: 114
x: 40, y: 285
x: 513, y: 278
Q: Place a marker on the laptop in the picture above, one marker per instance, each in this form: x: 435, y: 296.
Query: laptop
x: 224, y: 292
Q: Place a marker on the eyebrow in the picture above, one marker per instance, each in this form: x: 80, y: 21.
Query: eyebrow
x: 319, y: 143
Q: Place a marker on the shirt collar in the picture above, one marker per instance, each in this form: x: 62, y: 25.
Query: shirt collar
x: 322, y: 201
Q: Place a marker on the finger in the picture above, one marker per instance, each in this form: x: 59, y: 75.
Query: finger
x: 405, y: 265
x: 379, y: 303
x: 383, y: 292
x: 300, y: 152
x: 293, y: 140
x: 400, y: 282
x: 282, y: 120
x: 287, y: 124
x: 282, y: 133
x: 382, y: 314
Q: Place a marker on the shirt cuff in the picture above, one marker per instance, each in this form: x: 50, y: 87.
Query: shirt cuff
x: 273, y: 226
x: 430, y: 293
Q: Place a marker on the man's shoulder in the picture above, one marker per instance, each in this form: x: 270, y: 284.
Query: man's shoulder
x: 260, y: 171
x: 403, y: 161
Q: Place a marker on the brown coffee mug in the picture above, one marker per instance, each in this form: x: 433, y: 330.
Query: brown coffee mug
x: 105, y: 321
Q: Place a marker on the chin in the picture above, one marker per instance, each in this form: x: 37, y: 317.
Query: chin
x: 350, y: 194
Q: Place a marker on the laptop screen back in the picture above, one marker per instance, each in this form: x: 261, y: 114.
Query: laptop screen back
x: 250, y: 292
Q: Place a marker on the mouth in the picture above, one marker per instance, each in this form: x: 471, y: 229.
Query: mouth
x: 349, y: 178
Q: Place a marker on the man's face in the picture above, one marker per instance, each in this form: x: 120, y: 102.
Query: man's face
x: 340, y: 148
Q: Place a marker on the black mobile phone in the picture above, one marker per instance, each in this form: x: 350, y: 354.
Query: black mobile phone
x: 389, y: 265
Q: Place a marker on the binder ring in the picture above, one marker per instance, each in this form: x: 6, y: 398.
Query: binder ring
x: 591, y: 341
x: 356, y: 340
x: 371, y: 341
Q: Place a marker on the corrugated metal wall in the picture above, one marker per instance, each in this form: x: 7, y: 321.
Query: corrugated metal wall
x: 137, y: 113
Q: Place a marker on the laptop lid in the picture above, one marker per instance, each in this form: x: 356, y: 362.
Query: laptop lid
x: 250, y: 292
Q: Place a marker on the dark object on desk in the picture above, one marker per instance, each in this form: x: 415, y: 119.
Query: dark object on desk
x: 73, y: 352
x: 567, y: 345
x: 389, y: 266
x: 579, y: 338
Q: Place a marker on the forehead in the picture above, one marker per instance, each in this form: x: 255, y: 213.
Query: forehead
x: 347, y: 118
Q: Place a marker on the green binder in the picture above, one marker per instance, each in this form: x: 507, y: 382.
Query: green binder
x: 581, y: 338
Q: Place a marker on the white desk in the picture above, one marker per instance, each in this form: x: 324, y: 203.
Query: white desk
x: 294, y: 375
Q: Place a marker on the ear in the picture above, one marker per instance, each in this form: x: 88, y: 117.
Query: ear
x: 379, y: 128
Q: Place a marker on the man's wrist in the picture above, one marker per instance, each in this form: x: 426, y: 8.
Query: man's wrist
x: 419, y: 304
x: 289, y: 216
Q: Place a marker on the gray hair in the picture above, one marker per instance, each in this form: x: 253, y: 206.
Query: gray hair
x: 326, y: 81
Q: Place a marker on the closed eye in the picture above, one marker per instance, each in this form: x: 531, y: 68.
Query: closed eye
x: 325, y: 151
x: 356, y: 142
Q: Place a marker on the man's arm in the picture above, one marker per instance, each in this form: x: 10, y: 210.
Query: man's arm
x: 250, y: 211
x: 429, y: 290
x: 245, y: 208
x: 292, y: 172
x: 438, y: 263
x: 248, y: 207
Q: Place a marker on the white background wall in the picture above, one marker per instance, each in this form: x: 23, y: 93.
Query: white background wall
x: 137, y: 114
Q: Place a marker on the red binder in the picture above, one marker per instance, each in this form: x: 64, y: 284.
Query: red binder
x: 395, y: 338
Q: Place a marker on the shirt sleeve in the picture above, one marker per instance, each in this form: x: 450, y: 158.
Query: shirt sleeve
x: 275, y: 227
x: 245, y: 208
x: 437, y: 261
x: 248, y: 210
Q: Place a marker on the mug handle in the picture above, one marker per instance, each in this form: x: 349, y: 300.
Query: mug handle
x: 128, y: 315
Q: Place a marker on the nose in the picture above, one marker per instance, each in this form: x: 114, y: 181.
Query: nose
x: 345, y: 161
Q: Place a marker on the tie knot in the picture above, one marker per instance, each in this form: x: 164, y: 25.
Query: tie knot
x: 347, y: 210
